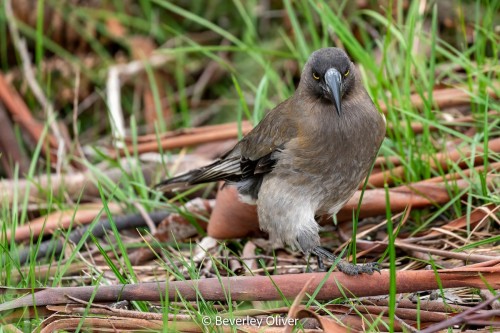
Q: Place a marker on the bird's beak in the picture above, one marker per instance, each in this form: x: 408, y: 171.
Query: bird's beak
x: 333, y: 80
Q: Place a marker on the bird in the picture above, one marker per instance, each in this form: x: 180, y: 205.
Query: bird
x: 305, y: 158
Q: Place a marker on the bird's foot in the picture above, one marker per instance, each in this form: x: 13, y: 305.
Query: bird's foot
x: 344, y: 266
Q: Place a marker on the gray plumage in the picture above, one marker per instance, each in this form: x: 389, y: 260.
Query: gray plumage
x: 306, y: 157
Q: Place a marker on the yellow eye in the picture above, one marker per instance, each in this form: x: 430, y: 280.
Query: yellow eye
x: 315, y: 76
x: 346, y: 73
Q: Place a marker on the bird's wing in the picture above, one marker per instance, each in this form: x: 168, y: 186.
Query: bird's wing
x: 259, y: 147
x: 254, y: 155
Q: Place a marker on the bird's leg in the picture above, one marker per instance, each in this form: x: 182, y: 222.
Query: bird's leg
x: 308, y: 264
x: 344, y: 266
x: 321, y: 264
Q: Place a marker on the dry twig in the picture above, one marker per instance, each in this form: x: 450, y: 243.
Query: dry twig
x: 246, y: 288
x: 20, y: 45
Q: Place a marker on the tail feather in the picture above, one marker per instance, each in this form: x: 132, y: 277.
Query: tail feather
x: 175, y: 182
x: 226, y: 169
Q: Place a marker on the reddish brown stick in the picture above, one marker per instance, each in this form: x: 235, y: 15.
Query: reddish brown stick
x: 10, y: 148
x: 440, y: 160
x: 20, y: 112
x: 187, y: 131
x: 185, y: 140
x: 443, y: 98
x: 263, y: 288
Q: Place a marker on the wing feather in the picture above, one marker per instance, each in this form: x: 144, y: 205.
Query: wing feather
x: 251, y: 158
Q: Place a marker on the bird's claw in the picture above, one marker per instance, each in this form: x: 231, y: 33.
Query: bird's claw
x: 344, y: 266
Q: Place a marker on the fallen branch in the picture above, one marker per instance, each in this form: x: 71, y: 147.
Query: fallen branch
x: 417, y: 195
x: 62, y: 323
x: 402, y: 313
x: 75, y: 184
x: 42, y: 271
x: 460, y: 224
x: 418, y: 127
x: 83, y: 214
x: 21, y: 113
x: 37, y: 91
x: 443, y: 98
x: 463, y: 317
x: 441, y: 161
x: 190, y: 137
x: 464, y: 174
x: 264, y: 288
x: 55, y: 246
x: 10, y: 148
x: 425, y: 305
x: 467, y: 257
x: 148, y: 138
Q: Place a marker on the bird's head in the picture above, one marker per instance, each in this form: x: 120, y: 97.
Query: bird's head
x: 328, y: 75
